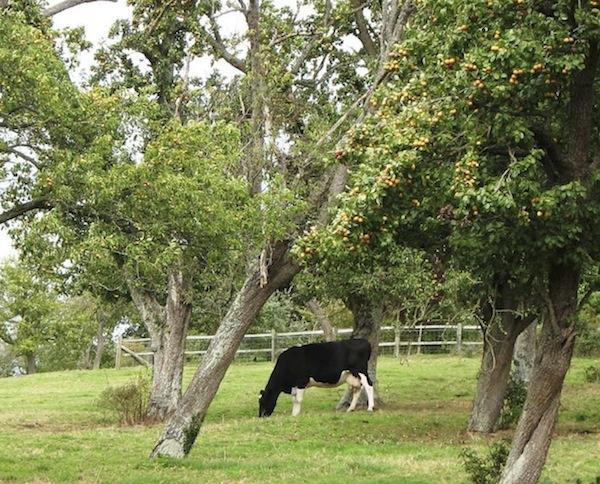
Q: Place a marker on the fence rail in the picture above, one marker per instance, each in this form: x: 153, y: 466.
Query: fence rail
x: 128, y: 347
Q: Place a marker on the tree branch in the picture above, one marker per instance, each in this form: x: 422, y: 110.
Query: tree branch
x: 555, y: 163
x: 581, y: 115
x: 23, y: 208
x: 22, y: 155
x: 363, y: 29
x: 301, y: 59
x: 66, y: 5
x: 216, y: 42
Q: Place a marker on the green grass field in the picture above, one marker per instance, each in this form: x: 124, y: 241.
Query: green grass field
x: 51, y: 430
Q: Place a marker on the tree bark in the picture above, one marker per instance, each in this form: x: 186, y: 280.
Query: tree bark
x: 99, y: 344
x: 524, y: 355
x: 534, y: 431
x: 168, y: 328
x: 168, y: 370
x: 500, y: 335
x: 183, y: 427
x: 328, y: 330
x: 31, y: 366
x: 367, y: 316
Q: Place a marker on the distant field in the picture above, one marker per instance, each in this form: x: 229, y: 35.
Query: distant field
x: 51, y: 430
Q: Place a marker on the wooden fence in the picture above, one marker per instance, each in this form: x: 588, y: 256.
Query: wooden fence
x: 463, y: 336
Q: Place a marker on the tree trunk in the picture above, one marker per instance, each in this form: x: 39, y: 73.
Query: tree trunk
x: 168, y: 367
x: 500, y: 335
x: 524, y: 355
x: 183, y: 427
x: 534, y: 431
x: 168, y: 330
x: 367, y: 317
x: 99, y: 344
x: 328, y: 330
x: 553, y: 358
x: 85, y: 361
x: 31, y: 366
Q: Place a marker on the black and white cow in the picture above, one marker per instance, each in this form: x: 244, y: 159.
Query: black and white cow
x: 321, y: 365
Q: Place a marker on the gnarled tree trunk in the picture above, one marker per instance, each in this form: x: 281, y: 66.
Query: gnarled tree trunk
x: 553, y: 359
x: 168, y: 367
x: 183, y: 427
x: 367, y: 316
x: 167, y: 327
x: 503, y: 328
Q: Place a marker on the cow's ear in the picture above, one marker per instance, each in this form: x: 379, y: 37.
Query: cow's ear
x: 262, y: 392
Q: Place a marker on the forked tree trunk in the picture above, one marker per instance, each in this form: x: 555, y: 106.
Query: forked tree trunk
x: 183, y: 427
x: 85, y: 362
x: 367, y: 316
x: 499, y: 341
x: 168, y: 368
x: 99, y: 344
x: 31, y: 366
x: 322, y: 319
x: 524, y: 355
x: 167, y: 327
x: 534, y: 431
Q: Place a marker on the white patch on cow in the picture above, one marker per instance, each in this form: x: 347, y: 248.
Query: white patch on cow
x: 297, y: 397
x: 369, y: 390
x: 345, y: 377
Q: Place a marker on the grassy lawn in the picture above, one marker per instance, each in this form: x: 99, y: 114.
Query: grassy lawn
x: 52, y: 430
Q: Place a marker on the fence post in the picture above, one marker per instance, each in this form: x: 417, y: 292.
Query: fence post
x: 118, y: 352
x: 459, y: 337
x: 396, y: 342
x: 273, y: 344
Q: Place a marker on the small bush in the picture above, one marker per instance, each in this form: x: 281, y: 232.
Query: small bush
x: 486, y: 469
x: 592, y: 374
x: 514, y: 399
x: 588, y: 342
x: 129, y: 401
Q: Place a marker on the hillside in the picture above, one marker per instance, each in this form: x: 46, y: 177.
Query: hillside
x: 52, y: 431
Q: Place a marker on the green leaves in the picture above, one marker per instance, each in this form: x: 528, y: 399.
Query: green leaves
x: 460, y: 152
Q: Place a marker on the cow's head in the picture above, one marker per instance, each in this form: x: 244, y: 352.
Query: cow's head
x: 266, y: 402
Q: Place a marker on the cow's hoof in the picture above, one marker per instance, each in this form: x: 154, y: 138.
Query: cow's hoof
x: 369, y: 409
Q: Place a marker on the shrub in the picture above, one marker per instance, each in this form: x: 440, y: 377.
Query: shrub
x: 592, y: 374
x: 588, y: 341
x: 486, y: 469
x: 514, y: 399
x: 129, y: 401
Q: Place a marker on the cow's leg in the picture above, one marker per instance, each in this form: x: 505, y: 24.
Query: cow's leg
x: 355, y: 395
x: 297, y: 397
x: 369, y: 389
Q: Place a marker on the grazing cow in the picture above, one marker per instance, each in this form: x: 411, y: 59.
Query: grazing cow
x: 318, y: 365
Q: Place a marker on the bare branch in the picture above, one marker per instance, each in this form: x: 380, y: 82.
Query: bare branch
x: 301, y: 59
x: 23, y: 208
x: 363, y: 29
x: 65, y: 5
x: 216, y: 42
x: 23, y: 156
